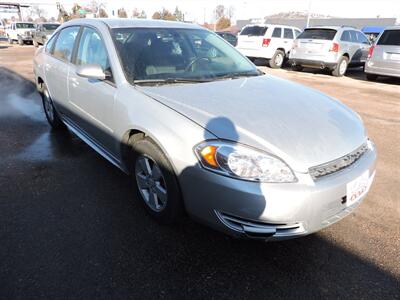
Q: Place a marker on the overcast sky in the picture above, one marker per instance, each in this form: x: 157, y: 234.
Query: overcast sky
x: 198, y: 10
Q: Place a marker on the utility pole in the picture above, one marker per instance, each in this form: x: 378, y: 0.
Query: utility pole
x: 309, y: 13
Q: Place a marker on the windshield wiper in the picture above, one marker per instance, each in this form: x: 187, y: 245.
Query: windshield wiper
x: 235, y: 75
x: 170, y: 81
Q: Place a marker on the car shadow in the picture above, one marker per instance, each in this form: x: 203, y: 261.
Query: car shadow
x: 71, y: 228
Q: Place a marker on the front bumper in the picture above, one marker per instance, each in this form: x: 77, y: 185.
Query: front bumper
x: 271, y: 211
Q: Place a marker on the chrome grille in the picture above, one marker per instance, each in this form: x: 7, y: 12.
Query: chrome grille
x: 338, y: 164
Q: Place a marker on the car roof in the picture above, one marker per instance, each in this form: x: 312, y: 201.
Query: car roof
x: 270, y: 25
x: 129, y: 23
x: 333, y: 27
x: 393, y: 27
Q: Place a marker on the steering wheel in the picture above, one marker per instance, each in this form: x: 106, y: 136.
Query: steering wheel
x: 195, y: 60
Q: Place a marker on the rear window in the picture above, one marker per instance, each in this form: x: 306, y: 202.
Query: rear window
x: 390, y: 38
x: 25, y: 25
x: 254, y: 30
x: 318, y: 34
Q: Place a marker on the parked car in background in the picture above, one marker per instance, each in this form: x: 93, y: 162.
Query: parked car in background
x: 384, y: 56
x: 2, y: 28
x: 21, y: 32
x: 331, y: 47
x: 43, y: 32
x: 229, y: 37
x: 272, y: 42
x: 202, y: 131
x: 372, y: 32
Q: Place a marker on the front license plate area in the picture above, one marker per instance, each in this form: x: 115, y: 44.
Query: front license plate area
x: 357, y: 188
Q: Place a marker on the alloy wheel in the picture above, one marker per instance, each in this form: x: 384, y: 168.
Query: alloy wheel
x: 151, y: 183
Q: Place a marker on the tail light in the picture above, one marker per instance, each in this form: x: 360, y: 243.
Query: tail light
x: 334, y: 47
x: 371, y: 51
x: 265, y: 42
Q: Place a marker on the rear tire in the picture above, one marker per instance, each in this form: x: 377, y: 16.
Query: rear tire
x: 10, y: 41
x: 51, y: 114
x: 154, y: 181
x: 341, y: 67
x: 277, y: 59
x: 371, y: 77
x: 297, y: 68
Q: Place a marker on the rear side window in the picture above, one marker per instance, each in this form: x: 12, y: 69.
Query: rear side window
x: 318, y: 34
x: 346, y: 36
x: 361, y: 38
x: 254, y: 30
x: 277, y: 33
x: 390, y: 38
x: 65, y: 43
x: 288, y: 33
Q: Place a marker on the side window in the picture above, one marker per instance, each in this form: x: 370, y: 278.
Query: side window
x: 92, y: 50
x: 362, y: 38
x: 354, y: 37
x: 50, y: 43
x: 65, y: 43
x: 345, y: 36
x: 277, y: 32
x: 296, y: 33
x: 288, y: 33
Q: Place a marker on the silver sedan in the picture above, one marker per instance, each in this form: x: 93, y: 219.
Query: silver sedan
x: 201, y: 131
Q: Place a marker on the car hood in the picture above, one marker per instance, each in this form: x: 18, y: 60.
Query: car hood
x: 301, y: 125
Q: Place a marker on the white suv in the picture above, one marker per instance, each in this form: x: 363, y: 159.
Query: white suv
x: 272, y: 42
x: 21, y: 32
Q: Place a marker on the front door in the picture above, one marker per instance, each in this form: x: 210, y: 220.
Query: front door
x: 92, y: 101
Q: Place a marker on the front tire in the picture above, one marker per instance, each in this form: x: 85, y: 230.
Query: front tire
x: 341, y: 67
x: 49, y: 109
x: 20, y: 41
x: 371, y: 77
x: 35, y: 43
x: 277, y: 60
x: 10, y: 41
x: 155, y: 182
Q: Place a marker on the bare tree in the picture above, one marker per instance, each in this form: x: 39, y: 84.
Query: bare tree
x: 36, y: 11
x: 219, y: 11
x: 164, y: 15
x: 179, y: 16
x: 122, y: 13
x: 102, y: 13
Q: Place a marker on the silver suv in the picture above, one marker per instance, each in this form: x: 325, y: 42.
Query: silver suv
x: 330, y: 47
x: 384, y: 57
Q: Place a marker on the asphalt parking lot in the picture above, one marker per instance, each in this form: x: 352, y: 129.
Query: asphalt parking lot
x: 69, y: 228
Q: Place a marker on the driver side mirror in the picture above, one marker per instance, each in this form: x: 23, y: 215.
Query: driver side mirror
x: 91, y: 72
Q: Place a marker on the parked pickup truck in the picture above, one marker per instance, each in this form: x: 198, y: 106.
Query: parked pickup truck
x: 21, y: 32
x: 43, y: 32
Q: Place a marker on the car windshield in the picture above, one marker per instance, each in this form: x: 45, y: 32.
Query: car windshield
x: 390, y: 38
x: 50, y: 26
x: 318, y: 34
x: 171, y: 53
x: 254, y: 30
x: 25, y: 25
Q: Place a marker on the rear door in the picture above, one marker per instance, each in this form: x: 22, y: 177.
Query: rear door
x: 57, y: 66
x: 314, y: 42
x: 276, y: 38
x: 387, y: 51
x: 251, y: 37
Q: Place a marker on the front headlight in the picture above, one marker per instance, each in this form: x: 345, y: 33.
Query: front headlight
x: 243, y: 162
